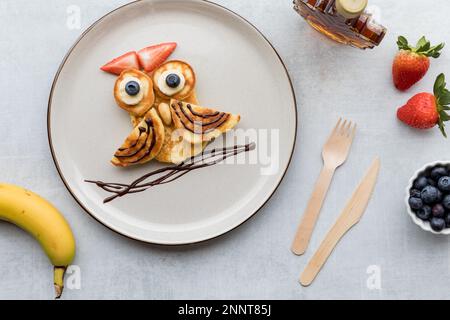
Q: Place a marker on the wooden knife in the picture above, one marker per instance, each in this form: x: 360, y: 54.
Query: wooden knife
x: 349, y: 217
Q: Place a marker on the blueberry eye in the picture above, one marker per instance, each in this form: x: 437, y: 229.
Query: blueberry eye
x: 173, y: 80
x: 132, y: 88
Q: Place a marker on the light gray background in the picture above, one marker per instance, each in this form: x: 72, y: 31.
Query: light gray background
x: 253, y: 261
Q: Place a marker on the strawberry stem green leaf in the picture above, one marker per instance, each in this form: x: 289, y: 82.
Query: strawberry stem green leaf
x: 423, y: 44
x: 442, y: 95
x: 442, y: 128
x: 423, y: 47
x: 403, y: 44
x: 439, y: 84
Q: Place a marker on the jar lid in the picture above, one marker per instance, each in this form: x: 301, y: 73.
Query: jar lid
x: 351, y: 8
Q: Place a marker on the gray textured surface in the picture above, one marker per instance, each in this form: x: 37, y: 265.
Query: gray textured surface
x: 253, y: 261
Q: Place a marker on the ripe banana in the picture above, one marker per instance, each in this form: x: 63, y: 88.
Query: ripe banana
x: 43, y: 221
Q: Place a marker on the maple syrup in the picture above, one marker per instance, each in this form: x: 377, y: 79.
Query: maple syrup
x: 344, y: 21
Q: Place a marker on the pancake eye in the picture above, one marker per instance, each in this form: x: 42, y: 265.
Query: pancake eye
x: 173, y: 80
x: 132, y: 88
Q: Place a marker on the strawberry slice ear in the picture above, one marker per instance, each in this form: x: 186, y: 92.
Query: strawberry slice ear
x: 423, y: 47
x: 127, y: 61
x: 442, y: 102
x: 152, y: 57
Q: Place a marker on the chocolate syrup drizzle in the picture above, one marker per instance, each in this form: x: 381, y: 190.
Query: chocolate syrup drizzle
x: 206, y: 127
x: 171, y: 173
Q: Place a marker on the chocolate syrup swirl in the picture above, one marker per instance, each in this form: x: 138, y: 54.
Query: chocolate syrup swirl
x: 211, y: 115
x: 169, y: 174
x: 205, y: 126
x: 147, y: 131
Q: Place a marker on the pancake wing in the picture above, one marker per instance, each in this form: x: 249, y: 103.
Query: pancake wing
x: 200, y: 124
x: 143, y: 144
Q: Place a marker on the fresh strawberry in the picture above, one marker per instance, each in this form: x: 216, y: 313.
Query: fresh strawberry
x: 154, y: 56
x: 425, y: 110
x: 127, y: 61
x: 412, y: 63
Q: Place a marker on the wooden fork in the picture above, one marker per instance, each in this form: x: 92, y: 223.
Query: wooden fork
x: 334, y: 154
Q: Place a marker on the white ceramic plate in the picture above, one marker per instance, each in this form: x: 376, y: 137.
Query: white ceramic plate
x: 237, y: 69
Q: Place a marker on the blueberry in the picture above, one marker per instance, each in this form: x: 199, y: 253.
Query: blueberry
x: 444, y: 183
x: 437, y: 224
x: 173, y: 80
x: 438, y: 172
x: 431, y: 182
x: 415, y: 193
x: 415, y: 203
x: 420, y: 183
x: 431, y: 195
x: 447, y: 221
x: 438, y: 211
x: 132, y: 88
x: 446, y: 202
x: 424, y: 213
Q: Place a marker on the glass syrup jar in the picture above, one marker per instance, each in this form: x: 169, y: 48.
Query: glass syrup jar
x: 344, y: 21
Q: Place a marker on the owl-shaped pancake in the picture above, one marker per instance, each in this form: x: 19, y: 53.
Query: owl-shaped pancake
x: 173, y: 127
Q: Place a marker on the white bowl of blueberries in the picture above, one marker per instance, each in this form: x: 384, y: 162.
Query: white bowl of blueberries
x: 428, y: 198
